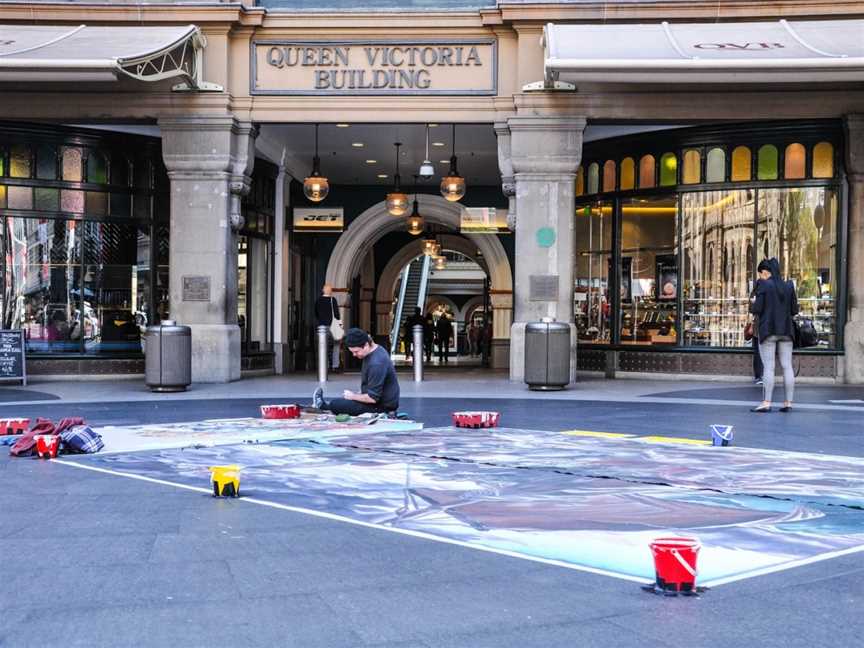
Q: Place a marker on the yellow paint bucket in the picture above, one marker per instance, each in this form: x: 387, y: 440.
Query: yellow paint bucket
x: 226, y: 480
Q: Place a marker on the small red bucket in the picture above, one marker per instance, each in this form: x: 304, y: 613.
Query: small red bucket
x: 280, y: 411
x: 13, y: 426
x: 476, y: 419
x: 675, y: 563
x: 47, y: 445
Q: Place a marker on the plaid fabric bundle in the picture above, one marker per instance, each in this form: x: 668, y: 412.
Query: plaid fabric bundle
x: 81, y: 439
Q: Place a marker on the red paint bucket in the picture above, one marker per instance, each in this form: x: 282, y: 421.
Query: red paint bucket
x: 13, y: 426
x: 675, y: 563
x: 280, y: 411
x: 47, y: 445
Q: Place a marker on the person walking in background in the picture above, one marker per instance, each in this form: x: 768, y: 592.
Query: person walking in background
x: 754, y: 341
x: 326, y: 309
x: 775, y: 304
x: 444, y: 334
x: 428, y: 336
x: 473, y: 336
x: 412, y: 321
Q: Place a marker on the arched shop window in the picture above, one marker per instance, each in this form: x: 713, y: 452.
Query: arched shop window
x: 795, y: 167
x: 823, y: 160
x: 767, y: 162
x: 691, y: 173
x: 77, y: 268
x: 668, y: 170
x: 646, y: 171
x: 593, y: 178
x: 741, y: 164
x: 716, y: 168
x: 609, y: 176
x: 20, y: 161
x: 628, y: 174
x: 689, y: 245
x: 580, y: 181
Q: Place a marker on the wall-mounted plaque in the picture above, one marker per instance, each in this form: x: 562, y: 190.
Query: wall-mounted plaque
x: 374, y: 67
x: 196, y: 288
x: 543, y: 288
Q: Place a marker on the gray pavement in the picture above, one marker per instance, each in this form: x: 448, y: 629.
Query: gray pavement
x: 90, y: 559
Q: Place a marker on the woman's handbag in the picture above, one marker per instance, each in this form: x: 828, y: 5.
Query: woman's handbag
x: 337, y: 329
x: 751, y: 329
x: 805, y: 334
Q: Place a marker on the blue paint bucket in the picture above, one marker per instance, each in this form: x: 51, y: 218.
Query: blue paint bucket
x: 721, y: 435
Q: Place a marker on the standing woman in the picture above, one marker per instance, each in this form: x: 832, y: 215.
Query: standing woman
x: 775, y: 303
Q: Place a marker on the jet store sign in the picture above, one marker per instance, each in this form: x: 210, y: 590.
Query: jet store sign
x: 374, y: 68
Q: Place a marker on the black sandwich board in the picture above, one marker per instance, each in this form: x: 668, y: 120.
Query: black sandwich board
x: 13, y: 363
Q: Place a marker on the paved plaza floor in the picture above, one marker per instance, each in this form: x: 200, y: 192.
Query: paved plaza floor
x: 534, y: 534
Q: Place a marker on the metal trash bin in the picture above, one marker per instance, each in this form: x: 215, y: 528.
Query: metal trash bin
x: 547, y: 355
x: 168, y: 357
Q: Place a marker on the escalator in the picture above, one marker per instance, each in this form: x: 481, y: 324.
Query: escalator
x: 412, y: 294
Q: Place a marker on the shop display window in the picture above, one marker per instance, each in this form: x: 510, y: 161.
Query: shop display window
x: 798, y: 226
x: 717, y: 253
x: 76, y: 272
x: 649, y: 270
x: 592, y: 306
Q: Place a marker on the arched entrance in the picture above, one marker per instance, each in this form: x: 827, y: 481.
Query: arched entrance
x: 373, y: 224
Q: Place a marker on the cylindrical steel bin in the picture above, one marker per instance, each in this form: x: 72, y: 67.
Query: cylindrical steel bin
x: 547, y: 355
x: 168, y: 359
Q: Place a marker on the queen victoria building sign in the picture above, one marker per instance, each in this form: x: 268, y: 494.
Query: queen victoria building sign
x: 374, y: 68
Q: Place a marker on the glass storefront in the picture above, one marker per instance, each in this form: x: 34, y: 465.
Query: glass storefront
x: 255, y: 262
x: 687, y: 222
x: 81, y: 216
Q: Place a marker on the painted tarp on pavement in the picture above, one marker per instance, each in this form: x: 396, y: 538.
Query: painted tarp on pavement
x: 594, y: 522
x: 132, y: 438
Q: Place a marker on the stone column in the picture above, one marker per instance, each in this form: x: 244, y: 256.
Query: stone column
x: 505, y: 165
x: 209, y: 162
x: 382, y: 319
x: 545, y: 153
x: 281, y: 275
x: 502, y: 318
x: 853, y: 334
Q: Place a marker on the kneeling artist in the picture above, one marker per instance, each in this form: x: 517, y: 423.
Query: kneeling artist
x: 379, y: 387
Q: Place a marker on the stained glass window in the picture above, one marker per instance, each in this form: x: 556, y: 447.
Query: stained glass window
x: 767, y: 162
x: 628, y: 174
x: 823, y: 160
x: 646, y: 171
x: 741, y: 164
x: 795, y: 167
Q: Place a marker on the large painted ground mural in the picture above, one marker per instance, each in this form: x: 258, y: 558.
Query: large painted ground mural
x: 589, y: 503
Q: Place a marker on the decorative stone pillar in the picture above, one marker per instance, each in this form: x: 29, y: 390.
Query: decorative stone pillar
x: 209, y: 162
x: 853, y: 334
x: 383, y: 319
x: 505, y: 165
x: 281, y: 276
x: 502, y: 318
x: 545, y: 153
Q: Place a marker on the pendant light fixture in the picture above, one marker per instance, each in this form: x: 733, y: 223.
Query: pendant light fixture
x: 440, y: 262
x: 453, y: 185
x: 429, y: 246
x: 397, y: 202
x: 426, y: 169
x: 316, y: 187
x: 415, y: 223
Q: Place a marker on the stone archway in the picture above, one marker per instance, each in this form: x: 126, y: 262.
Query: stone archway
x: 374, y: 223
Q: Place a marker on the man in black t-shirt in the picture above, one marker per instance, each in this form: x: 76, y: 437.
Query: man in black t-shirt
x: 379, y: 387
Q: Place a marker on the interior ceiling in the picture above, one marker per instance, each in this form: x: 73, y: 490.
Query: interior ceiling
x: 344, y: 163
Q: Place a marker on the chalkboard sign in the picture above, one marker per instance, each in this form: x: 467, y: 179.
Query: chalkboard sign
x: 12, y: 361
